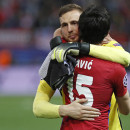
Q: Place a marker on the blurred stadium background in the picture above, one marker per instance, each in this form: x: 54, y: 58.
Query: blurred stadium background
x: 26, y: 27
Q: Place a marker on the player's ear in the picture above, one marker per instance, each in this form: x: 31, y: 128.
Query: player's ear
x: 57, y: 33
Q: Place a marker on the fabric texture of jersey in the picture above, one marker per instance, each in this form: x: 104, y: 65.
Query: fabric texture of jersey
x: 114, y: 123
x: 95, y: 80
x: 114, y: 118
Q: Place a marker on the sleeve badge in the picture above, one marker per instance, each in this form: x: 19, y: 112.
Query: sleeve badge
x: 125, y: 80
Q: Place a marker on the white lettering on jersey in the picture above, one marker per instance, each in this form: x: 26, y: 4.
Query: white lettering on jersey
x: 83, y: 64
x: 81, y: 79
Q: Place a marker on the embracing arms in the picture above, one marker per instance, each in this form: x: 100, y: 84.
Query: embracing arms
x: 108, y: 50
x: 44, y: 109
x: 113, y: 54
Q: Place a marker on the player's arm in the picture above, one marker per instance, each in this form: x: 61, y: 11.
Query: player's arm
x: 124, y: 104
x: 120, y: 89
x: 44, y: 109
x: 121, y: 57
x: 111, y: 54
x: 102, y: 52
x: 42, y: 106
x: 78, y: 111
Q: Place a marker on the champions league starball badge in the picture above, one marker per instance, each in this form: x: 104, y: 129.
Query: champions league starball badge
x: 125, y: 81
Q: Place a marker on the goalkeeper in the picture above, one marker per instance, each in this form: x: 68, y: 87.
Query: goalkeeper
x: 42, y: 107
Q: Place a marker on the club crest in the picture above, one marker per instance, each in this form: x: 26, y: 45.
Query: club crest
x: 125, y: 81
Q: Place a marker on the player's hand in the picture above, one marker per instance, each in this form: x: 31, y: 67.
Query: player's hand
x: 78, y: 111
x: 60, y: 52
x: 57, y: 33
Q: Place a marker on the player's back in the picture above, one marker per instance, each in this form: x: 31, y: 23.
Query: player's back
x: 93, y: 79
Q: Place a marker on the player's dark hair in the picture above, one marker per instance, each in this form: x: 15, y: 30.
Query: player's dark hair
x: 94, y: 24
x: 69, y: 7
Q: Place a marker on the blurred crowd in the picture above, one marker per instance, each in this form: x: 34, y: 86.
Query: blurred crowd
x: 28, y: 14
x: 32, y: 14
x: 40, y: 18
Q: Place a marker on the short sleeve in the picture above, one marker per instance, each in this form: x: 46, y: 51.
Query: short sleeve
x: 120, y: 80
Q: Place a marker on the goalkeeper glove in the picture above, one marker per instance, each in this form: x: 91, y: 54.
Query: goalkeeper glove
x: 54, y: 73
x: 60, y: 52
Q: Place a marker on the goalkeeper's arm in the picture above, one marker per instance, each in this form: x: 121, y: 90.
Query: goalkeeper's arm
x: 106, y: 53
x: 41, y: 105
x: 111, y: 54
x: 44, y: 109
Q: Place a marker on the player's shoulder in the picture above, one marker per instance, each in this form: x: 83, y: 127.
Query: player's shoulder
x: 118, y: 69
x: 114, y: 64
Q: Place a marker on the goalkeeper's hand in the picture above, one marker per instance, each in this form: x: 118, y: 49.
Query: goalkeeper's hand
x: 60, y: 52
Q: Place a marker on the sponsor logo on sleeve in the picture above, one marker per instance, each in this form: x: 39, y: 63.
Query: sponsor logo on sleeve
x: 117, y: 44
